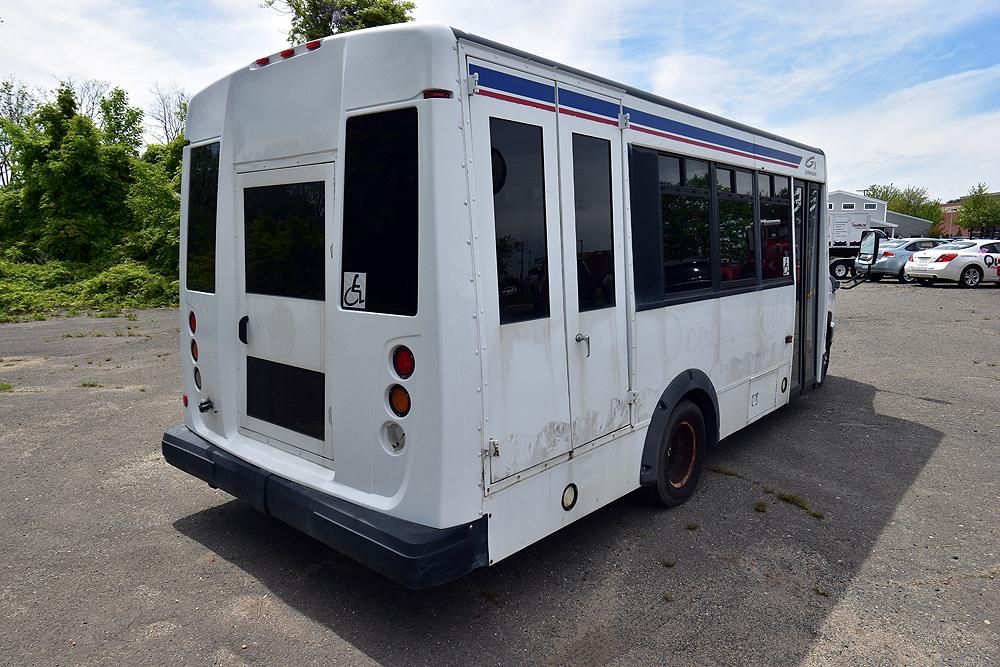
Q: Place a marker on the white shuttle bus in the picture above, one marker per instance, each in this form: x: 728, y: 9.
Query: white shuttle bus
x: 441, y: 297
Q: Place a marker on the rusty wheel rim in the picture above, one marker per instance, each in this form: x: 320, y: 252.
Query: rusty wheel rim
x: 682, y: 455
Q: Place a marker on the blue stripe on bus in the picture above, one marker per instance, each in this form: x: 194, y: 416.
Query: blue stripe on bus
x: 587, y: 103
x: 701, y: 134
x: 516, y: 85
x: 489, y: 78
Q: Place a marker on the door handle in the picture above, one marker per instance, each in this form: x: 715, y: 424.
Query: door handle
x: 584, y: 338
x: 244, y: 321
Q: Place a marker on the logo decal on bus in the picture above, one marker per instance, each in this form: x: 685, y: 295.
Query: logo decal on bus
x: 811, y: 162
x: 354, y: 290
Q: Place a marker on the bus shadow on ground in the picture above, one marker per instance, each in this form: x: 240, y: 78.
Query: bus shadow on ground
x: 712, y: 581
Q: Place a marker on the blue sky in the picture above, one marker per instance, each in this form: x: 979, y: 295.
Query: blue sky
x: 892, y: 90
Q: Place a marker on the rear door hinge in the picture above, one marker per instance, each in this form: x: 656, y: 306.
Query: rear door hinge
x: 631, y: 397
x: 473, y: 83
x: 623, y: 121
x: 492, y: 448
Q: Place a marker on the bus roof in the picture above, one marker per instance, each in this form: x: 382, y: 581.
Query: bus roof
x: 630, y: 90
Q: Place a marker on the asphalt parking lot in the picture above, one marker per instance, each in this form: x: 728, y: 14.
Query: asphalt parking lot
x: 111, y: 556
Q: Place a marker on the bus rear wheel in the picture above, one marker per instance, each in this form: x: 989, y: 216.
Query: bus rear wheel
x: 681, y: 457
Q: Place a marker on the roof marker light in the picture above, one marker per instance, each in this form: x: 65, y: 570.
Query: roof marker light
x: 436, y: 93
x: 287, y: 53
x: 262, y: 61
x: 315, y: 44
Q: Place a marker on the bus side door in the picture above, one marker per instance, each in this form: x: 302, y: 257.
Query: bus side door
x: 590, y: 165
x: 516, y: 188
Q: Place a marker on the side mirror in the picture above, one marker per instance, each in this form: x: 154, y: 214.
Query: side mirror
x: 869, y: 249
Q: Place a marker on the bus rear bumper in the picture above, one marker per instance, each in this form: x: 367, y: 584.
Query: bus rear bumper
x: 411, y: 554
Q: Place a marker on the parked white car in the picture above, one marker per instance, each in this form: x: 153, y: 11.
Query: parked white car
x: 966, y: 262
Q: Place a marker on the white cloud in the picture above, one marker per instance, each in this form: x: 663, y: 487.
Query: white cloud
x: 924, y: 135
x: 790, y: 69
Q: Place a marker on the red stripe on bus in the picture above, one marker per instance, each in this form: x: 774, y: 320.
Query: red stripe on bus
x: 587, y: 116
x: 516, y: 100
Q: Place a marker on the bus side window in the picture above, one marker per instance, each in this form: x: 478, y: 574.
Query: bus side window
x: 595, y: 257
x: 519, y: 218
x: 203, y: 198
x: 775, y: 226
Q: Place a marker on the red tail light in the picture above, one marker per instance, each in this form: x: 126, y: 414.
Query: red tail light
x: 184, y: 399
x: 192, y: 322
x: 888, y: 254
x: 911, y: 258
x: 403, y: 362
x: 194, y: 350
x: 287, y: 53
x: 262, y: 61
x: 947, y: 257
x: 313, y: 45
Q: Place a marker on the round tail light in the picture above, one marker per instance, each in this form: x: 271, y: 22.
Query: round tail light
x: 192, y: 322
x: 399, y: 400
x: 194, y: 350
x: 403, y: 362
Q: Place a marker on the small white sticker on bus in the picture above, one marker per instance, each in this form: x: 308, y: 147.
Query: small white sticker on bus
x: 354, y: 290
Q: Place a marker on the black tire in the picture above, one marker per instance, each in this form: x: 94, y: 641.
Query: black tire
x: 971, y: 276
x: 926, y: 282
x: 681, y: 457
x: 903, y: 278
x: 840, y: 270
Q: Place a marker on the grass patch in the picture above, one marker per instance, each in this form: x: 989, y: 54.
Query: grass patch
x: 91, y: 385
x: 801, y: 503
x: 767, y: 489
x: 6, y: 388
x: 668, y: 562
x: 667, y: 597
x: 142, y: 389
x: 723, y: 470
x: 692, y: 526
x: 761, y: 506
x: 30, y: 290
x: 84, y: 334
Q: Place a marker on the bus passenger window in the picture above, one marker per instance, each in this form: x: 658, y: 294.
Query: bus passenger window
x: 519, y: 218
x: 736, y: 248
x: 687, y: 257
x: 595, y: 257
x: 203, y: 197
x: 775, y: 227
x: 381, y: 209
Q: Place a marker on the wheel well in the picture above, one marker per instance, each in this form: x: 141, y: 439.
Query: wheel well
x: 695, y: 386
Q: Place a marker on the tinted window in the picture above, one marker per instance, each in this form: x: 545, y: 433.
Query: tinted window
x: 744, y: 183
x: 956, y: 245
x: 775, y: 227
x: 290, y: 397
x: 736, y: 250
x: 203, y: 198
x: 381, y: 213
x: 670, y: 170
x: 686, y: 236
x: 595, y: 259
x: 724, y: 180
x: 519, y: 217
x: 285, y: 240
x: 647, y: 241
x: 913, y: 247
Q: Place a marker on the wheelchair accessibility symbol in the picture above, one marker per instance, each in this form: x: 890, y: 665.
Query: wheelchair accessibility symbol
x: 354, y: 290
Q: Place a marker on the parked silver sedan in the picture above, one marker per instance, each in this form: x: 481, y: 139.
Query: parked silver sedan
x: 893, y: 255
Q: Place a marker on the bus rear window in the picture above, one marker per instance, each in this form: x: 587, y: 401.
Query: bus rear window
x: 203, y: 197
x: 380, y: 213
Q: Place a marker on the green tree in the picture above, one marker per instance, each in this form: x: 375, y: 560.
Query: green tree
x: 120, y: 123
x: 314, y: 19
x: 17, y: 102
x: 911, y: 200
x: 980, y: 210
